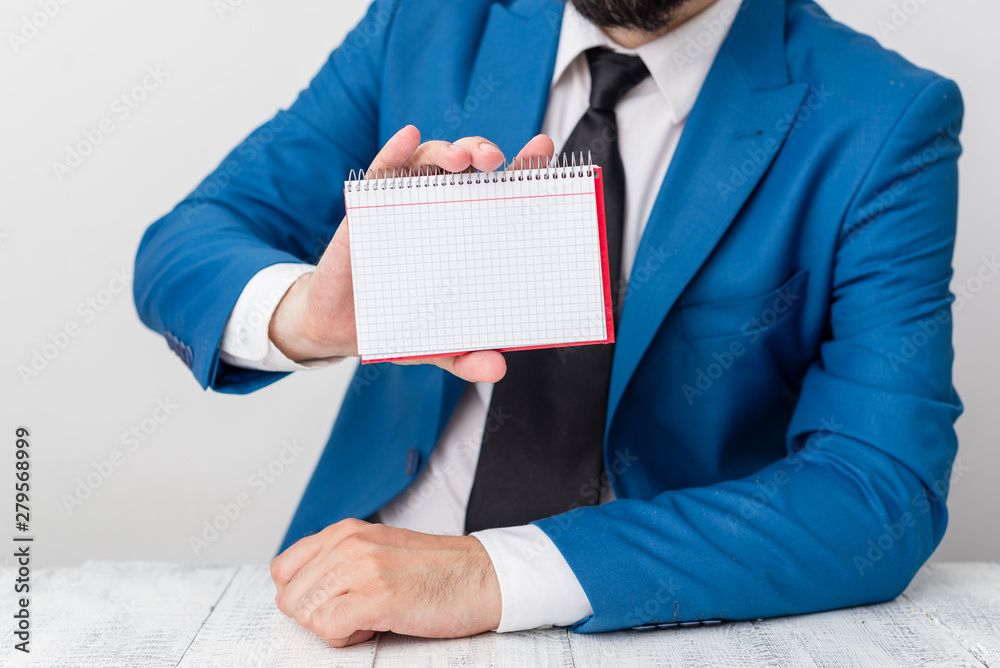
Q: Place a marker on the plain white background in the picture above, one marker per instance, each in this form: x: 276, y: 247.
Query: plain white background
x: 225, y: 67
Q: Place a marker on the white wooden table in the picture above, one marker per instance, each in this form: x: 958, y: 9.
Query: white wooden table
x: 157, y: 614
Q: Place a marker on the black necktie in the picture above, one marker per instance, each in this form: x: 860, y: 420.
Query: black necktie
x: 542, y: 451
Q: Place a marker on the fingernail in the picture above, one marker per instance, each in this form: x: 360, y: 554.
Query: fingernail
x: 455, y: 147
x: 486, y: 146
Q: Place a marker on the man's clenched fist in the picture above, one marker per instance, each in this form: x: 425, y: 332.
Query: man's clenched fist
x: 354, y: 578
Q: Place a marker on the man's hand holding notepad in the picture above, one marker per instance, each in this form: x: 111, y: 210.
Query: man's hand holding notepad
x: 438, y: 264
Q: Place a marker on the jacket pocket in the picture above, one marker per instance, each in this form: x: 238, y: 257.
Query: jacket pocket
x: 744, y: 316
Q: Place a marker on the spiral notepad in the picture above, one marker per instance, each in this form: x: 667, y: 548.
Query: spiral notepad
x: 446, y: 263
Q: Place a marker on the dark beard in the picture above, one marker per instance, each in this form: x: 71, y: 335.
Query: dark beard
x: 648, y: 15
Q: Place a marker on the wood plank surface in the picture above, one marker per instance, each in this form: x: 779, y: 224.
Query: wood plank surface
x: 545, y: 648
x: 877, y: 636
x: 108, y: 614
x: 247, y: 630
x: 141, y: 614
x: 965, y: 600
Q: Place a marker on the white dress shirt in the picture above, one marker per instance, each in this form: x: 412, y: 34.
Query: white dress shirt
x: 537, y: 586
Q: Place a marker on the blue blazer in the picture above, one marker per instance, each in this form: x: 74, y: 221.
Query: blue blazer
x: 780, y: 423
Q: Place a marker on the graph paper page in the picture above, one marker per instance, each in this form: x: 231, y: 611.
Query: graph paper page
x: 456, y: 267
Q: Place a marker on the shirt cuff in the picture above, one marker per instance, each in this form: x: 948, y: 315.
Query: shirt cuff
x: 537, y: 586
x: 245, y: 341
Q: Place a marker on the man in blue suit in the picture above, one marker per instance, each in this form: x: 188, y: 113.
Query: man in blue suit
x: 774, y: 432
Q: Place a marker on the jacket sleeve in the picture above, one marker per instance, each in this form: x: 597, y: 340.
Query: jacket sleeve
x: 277, y: 197
x: 858, y: 504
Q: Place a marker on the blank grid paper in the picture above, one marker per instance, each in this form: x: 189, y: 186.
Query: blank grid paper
x: 455, y: 267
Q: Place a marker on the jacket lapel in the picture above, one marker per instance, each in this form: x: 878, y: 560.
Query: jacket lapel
x: 746, y: 103
x: 508, y: 88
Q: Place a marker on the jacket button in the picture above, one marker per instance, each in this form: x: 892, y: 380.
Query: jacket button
x: 412, y: 461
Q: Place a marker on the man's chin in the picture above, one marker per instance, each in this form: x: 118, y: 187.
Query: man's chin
x: 651, y: 16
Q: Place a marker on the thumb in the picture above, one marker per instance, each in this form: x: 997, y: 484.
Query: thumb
x: 396, y: 151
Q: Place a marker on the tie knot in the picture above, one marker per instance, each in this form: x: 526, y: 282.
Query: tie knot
x: 611, y: 76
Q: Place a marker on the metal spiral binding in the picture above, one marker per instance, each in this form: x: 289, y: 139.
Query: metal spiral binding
x: 534, y: 168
